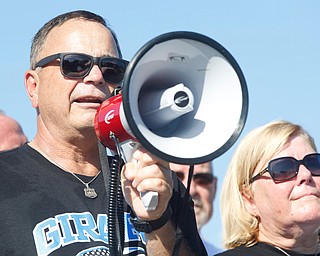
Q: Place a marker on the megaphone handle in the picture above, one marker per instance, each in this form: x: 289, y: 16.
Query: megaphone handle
x: 149, y: 200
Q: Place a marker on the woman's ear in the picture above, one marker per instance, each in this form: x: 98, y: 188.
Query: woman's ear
x: 248, y: 200
x: 31, y: 81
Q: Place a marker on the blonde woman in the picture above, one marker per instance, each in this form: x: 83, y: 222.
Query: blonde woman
x: 270, y: 199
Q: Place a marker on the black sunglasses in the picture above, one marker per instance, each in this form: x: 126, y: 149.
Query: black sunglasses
x: 201, y: 178
x: 79, y: 65
x: 285, y: 168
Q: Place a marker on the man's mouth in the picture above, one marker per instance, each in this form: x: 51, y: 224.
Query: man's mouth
x: 89, y: 99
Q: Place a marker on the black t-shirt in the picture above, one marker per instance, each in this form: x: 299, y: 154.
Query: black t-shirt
x: 43, y: 211
x: 260, y: 249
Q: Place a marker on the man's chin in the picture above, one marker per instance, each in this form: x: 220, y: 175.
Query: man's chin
x: 197, y: 209
x: 201, y: 218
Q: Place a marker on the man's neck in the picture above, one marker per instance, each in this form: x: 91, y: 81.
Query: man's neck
x: 69, y: 157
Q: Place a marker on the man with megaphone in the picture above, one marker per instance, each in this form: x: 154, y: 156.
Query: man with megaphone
x: 53, y: 194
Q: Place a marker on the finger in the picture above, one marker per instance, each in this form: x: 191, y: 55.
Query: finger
x: 129, y: 171
x: 158, y: 185
x: 152, y: 171
x: 144, y: 158
x: 130, y: 193
x: 164, y: 192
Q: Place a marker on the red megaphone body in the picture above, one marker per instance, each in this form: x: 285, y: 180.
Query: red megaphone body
x: 108, y: 121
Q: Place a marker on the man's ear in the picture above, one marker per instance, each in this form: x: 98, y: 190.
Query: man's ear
x: 248, y: 201
x: 31, y: 81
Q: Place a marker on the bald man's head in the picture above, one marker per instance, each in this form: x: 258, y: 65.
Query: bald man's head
x: 11, y: 133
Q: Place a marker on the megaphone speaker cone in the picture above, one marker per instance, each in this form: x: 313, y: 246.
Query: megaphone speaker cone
x: 214, y: 84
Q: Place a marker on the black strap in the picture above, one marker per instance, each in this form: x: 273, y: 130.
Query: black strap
x: 149, y: 226
x: 115, y: 203
x: 104, y: 162
x: 183, y: 217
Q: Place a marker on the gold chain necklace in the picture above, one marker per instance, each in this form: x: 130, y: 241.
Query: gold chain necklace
x: 88, y: 192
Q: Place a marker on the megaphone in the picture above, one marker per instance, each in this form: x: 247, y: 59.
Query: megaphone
x: 184, y: 99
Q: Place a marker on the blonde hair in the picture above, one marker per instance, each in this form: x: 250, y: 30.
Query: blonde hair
x: 261, y: 144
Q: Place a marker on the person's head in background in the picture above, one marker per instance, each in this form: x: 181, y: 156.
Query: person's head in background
x: 11, y: 133
x: 202, y: 189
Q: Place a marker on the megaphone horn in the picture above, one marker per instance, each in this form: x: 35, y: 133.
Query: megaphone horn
x: 184, y: 99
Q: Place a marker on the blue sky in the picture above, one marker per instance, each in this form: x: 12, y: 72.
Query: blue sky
x: 276, y: 44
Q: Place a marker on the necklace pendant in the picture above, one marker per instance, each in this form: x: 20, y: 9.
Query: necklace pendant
x: 90, y: 192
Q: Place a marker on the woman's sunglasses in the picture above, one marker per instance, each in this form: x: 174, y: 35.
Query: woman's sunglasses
x: 285, y: 168
x: 79, y: 65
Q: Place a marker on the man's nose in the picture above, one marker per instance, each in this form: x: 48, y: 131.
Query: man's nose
x: 95, y: 76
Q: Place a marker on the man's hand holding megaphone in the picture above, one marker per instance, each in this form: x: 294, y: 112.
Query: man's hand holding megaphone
x: 146, y: 173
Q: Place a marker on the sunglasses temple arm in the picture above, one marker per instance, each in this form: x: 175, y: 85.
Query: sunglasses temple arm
x: 258, y: 175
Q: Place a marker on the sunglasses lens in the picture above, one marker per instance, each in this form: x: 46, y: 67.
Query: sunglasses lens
x: 312, y: 162
x: 203, y: 178
x: 113, y: 69
x: 76, y: 65
x: 283, y: 168
x: 180, y: 175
